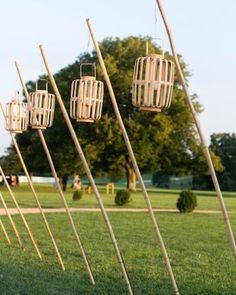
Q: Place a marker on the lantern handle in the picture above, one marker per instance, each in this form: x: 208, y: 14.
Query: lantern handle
x: 88, y: 64
x: 45, y: 84
x: 16, y: 97
x: 162, y: 46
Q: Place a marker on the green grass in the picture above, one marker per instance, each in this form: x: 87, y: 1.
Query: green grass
x: 197, y: 245
x: 50, y: 198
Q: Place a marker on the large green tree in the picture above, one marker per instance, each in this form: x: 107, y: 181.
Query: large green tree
x: 224, y: 146
x: 10, y: 162
x: 164, y: 142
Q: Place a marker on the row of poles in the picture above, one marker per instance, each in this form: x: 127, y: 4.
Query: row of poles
x: 90, y: 177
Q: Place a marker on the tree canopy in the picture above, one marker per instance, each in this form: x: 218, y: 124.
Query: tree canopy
x: 224, y: 146
x: 165, y: 142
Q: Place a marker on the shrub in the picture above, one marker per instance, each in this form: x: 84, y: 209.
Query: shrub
x: 122, y: 197
x: 77, y: 195
x: 186, y: 202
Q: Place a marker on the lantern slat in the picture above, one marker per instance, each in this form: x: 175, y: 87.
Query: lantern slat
x: 86, y: 97
x: 41, y: 108
x: 153, y: 80
x: 17, y: 116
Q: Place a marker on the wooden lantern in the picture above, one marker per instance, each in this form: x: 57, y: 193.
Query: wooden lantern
x: 41, y: 108
x: 86, y: 97
x: 153, y: 81
x: 17, y: 118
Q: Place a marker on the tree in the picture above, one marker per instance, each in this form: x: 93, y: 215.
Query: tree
x: 224, y: 146
x: 164, y: 142
x: 10, y: 162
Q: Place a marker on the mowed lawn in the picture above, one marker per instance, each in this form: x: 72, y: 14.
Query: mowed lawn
x: 163, y: 199
x: 197, y: 245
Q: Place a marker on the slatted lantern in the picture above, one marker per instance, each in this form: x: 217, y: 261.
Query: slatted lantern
x: 86, y: 97
x: 153, y: 81
x: 41, y: 108
x: 17, y: 118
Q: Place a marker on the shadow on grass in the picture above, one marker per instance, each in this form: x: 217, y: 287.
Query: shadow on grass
x: 34, y: 280
x: 31, y: 279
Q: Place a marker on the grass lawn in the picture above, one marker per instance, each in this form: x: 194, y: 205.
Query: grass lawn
x: 50, y: 198
x: 197, y: 245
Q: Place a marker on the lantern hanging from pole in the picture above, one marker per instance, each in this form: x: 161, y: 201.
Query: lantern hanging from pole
x: 41, y: 108
x: 86, y: 97
x: 153, y: 81
x: 17, y: 116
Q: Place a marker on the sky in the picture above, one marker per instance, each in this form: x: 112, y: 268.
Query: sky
x: 204, y: 34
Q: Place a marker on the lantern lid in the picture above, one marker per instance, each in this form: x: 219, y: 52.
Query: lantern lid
x: 41, y: 91
x: 154, y: 55
x: 88, y: 77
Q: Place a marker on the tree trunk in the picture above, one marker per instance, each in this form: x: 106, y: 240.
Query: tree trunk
x: 132, y: 180
x: 64, y: 182
x: 130, y: 175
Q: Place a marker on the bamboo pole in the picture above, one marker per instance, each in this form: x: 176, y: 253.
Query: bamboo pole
x: 39, y: 206
x: 5, y: 232
x: 36, y: 197
x: 197, y: 123
x: 134, y: 162
x: 21, y: 214
x: 51, y: 164
x: 12, y: 222
x: 88, y: 172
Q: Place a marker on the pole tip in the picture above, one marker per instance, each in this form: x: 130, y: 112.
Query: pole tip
x: 87, y: 20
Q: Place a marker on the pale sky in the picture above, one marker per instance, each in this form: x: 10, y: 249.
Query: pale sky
x: 204, y: 33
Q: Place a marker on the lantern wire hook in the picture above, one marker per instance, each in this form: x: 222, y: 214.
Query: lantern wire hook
x: 41, y: 69
x: 155, y: 12
x: 155, y: 21
x: 88, y: 43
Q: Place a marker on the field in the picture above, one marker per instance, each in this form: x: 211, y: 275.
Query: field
x: 197, y: 245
